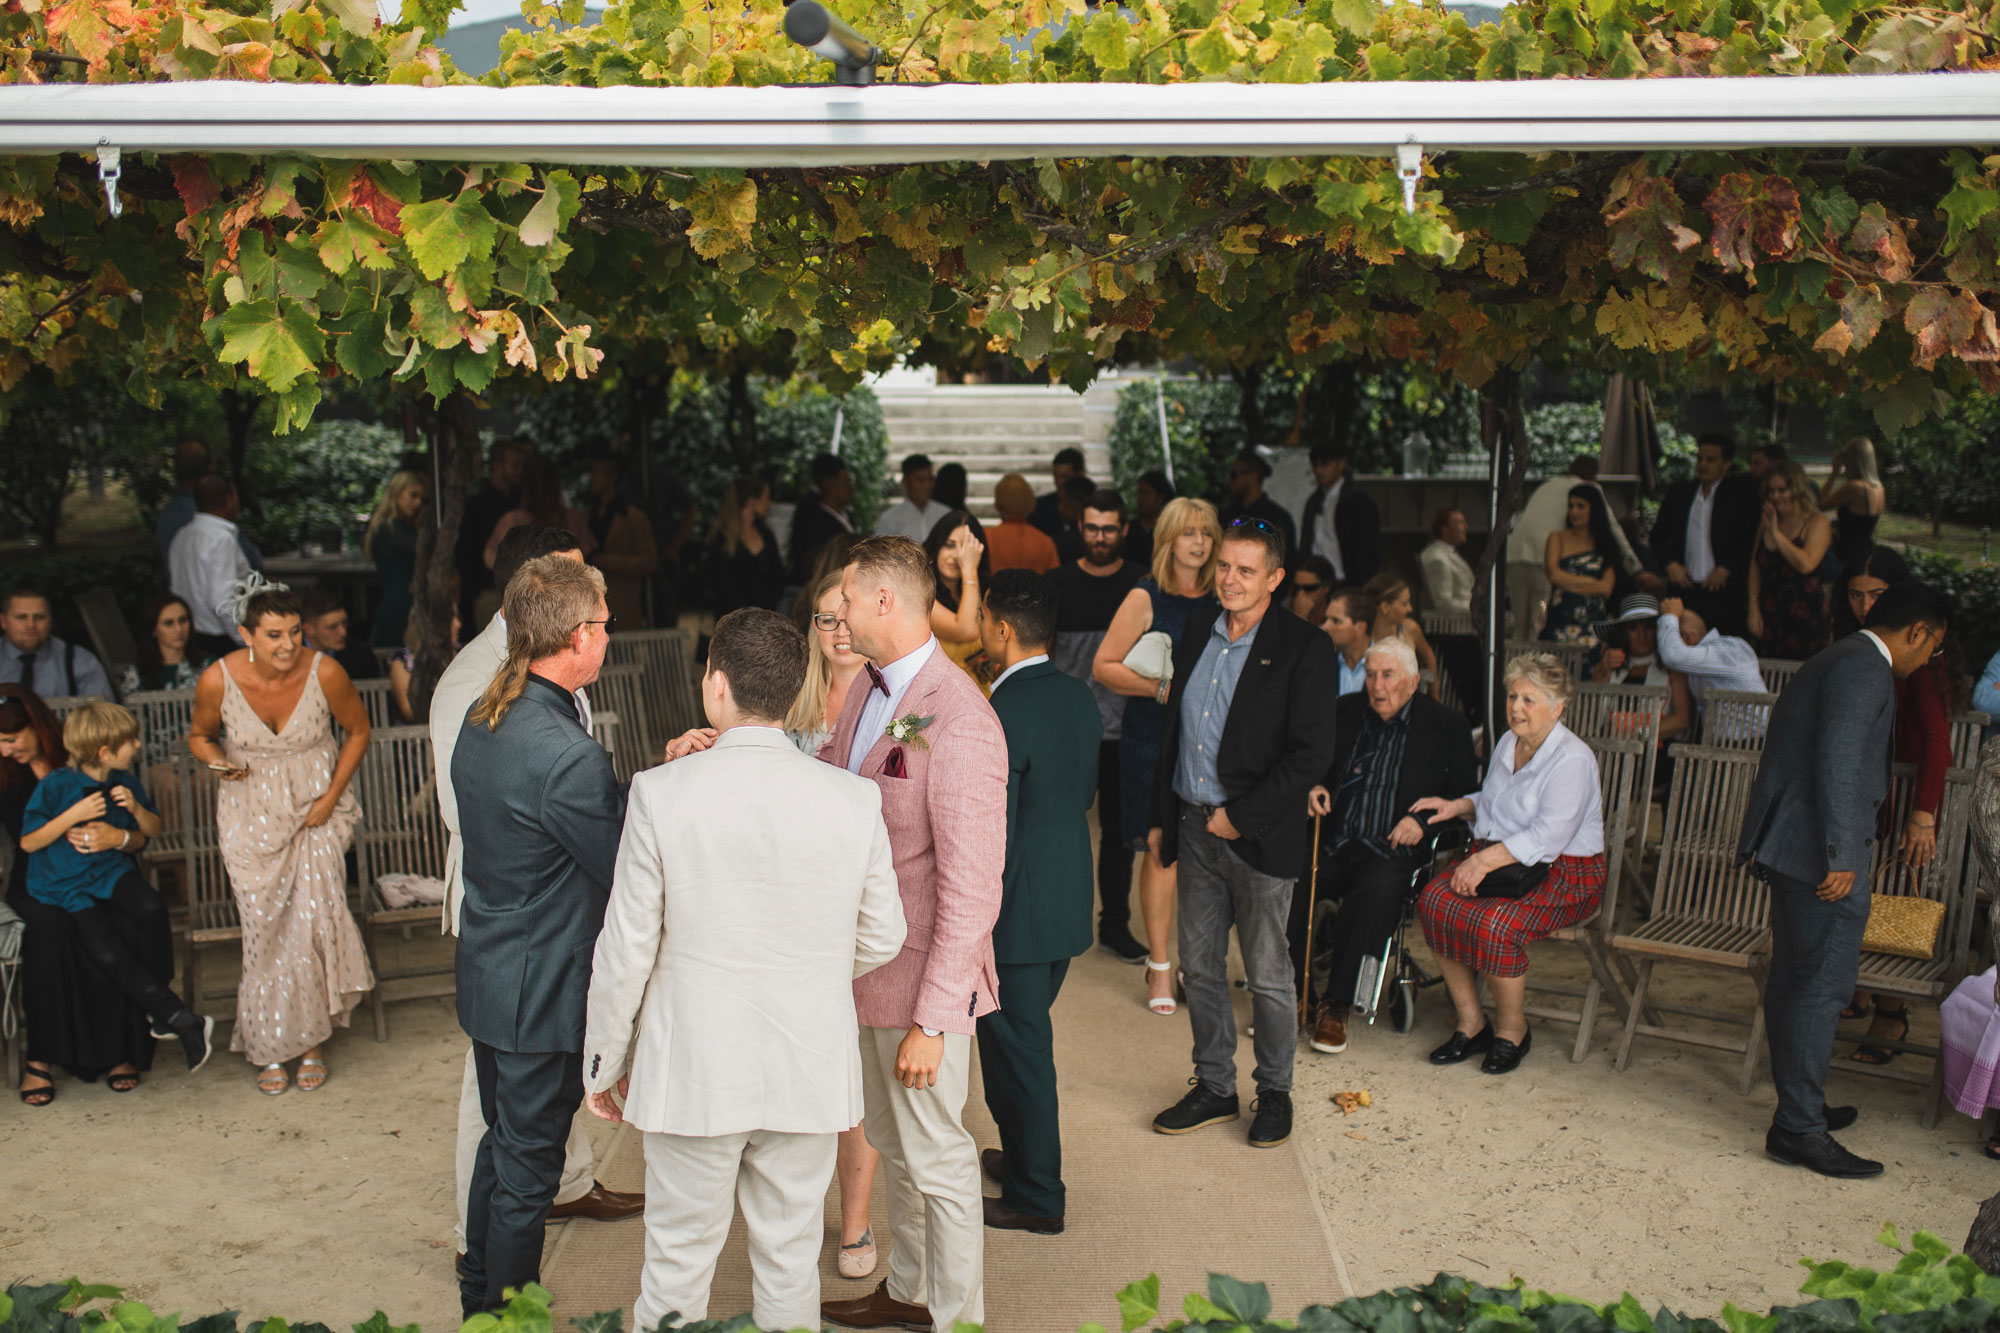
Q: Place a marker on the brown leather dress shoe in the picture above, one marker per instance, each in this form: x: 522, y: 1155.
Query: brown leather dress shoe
x: 1329, y: 1033
x: 878, y: 1309
x: 1002, y: 1218
x: 994, y: 1163
x: 600, y: 1205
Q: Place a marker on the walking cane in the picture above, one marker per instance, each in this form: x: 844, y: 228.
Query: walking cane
x: 1312, y: 910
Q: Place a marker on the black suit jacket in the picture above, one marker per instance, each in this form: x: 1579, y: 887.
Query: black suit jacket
x: 812, y: 528
x: 1276, y: 743
x: 1731, y: 531
x: 1825, y: 769
x: 1358, y: 524
x: 541, y: 813
x: 1438, y: 758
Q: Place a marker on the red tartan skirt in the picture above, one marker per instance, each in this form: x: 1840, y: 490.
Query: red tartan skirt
x: 1488, y: 934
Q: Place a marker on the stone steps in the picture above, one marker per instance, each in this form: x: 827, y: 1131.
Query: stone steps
x: 991, y: 430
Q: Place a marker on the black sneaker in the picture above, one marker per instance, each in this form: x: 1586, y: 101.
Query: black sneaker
x: 194, y: 1031
x: 1273, y: 1122
x: 1200, y: 1109
x: 1118, y: 942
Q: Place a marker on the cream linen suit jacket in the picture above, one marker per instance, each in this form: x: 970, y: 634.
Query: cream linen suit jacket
x: 753, y: 885
x: 465, y: 678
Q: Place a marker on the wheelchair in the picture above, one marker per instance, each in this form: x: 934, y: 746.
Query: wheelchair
x: 1395, y: 968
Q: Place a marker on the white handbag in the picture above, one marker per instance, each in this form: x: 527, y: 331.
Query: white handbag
x: 1153, y: 656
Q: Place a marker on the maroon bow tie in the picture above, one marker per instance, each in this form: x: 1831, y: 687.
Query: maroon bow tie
x: 875, y: 680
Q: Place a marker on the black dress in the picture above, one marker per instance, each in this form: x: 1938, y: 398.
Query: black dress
x: 744, y: 579
x: 79, y: 1020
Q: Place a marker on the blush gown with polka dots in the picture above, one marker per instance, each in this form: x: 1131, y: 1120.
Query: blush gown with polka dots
x: 304, y: 965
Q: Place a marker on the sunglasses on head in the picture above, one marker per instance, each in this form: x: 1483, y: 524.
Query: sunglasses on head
x: 1261, y: 525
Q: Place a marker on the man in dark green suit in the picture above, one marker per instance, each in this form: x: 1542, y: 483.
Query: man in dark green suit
x: 1048, y: 892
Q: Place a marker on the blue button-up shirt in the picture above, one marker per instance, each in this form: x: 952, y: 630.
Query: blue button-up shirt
x: 1353, y: 679
x: 1205, y: 701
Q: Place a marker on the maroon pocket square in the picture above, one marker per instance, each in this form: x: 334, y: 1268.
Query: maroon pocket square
x: 894, y: 767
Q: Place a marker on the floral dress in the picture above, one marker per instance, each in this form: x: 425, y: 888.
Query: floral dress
x: 1573, y: 616
x: 1796, y: 623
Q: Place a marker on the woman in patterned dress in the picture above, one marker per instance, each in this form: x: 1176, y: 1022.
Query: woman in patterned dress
x: 1788, y: 610
x: 263, y: 718
x: 1581, y: 560
x: 1540, y: 805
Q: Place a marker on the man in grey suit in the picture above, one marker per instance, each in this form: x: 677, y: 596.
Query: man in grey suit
x: 1810, y: 832
x: 539, y: 815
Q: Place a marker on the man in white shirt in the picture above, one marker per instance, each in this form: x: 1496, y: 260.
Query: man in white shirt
x: 205, y: 562
x: 1710, y: 659
x: 753, y: 885
x: 463, y: 681
x: 1547, y: 511
x: 1339, y: 522
x: 916, y: 513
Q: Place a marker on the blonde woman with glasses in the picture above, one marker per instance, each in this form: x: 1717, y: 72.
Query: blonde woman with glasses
x: 1187, y: 539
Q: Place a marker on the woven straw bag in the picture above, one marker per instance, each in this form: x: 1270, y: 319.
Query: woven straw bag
x: 1903, y: 927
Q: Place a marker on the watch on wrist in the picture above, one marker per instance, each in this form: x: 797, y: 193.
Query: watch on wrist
x: 929, y: 1032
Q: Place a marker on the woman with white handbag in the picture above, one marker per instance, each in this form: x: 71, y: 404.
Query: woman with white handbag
x: 1136, y: 660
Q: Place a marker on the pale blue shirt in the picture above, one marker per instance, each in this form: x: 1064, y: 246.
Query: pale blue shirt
x: 1719, y: 662
x: 1211, y: 687
x: 1986, y: 695
x: 878, y: 712
x: 1353, y: 679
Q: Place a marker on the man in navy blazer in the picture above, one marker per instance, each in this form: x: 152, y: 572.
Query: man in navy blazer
x: 540, y: 813
x: 1810, y: 829
x: 1047, y: 893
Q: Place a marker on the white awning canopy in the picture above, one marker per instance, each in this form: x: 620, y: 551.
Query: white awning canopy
x: 834, y: 126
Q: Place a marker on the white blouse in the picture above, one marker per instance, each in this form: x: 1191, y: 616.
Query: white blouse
x: 1551, y: 808
x: 1448, y: 577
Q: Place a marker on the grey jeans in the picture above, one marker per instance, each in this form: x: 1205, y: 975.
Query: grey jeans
x: 1217, y: 890
x: 1815, y: 962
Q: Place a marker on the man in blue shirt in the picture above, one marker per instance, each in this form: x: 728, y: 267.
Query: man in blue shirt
x: 32, y: 656
x: 1350, y: 623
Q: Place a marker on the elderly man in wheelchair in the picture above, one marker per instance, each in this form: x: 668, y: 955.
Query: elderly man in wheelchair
x: 1395, y: 747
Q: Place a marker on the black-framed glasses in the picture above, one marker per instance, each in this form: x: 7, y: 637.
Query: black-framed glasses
x: 826, y: 620
x: 607, y: 622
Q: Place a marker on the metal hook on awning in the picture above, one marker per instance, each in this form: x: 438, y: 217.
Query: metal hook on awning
x: 1410, y: 169
x: 108, y: 171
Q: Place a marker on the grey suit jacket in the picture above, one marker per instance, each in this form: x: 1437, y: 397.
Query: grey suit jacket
x: 540, y: 813
x: 1825, y: 769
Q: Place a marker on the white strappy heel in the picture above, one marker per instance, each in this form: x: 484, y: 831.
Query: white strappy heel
x: 1164, y: 1006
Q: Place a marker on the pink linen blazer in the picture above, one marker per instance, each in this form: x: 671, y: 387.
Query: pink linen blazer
x: 948, y: 829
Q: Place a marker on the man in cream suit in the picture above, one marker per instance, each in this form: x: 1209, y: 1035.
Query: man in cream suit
x: 464, y: 680
x: 753, y: 885
x: 917, y: 727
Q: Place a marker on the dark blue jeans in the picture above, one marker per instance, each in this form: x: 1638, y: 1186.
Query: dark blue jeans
x: 1815, y: 962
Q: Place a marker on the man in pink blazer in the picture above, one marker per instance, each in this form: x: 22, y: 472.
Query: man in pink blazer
x: 919, y: 728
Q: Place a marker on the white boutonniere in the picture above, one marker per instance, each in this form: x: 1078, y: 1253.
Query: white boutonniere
x: 909, y: 730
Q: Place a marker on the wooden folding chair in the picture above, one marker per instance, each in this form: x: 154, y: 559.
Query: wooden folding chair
x: 1625, y: 711
x: 62, y: 705
x: 380, y: 703
x: 1571, y: 655
x: 1619, y: 763
x: 620, y: 691
x: 1706, y: 909
x: 1735, y: 719
x: 1968, y: 732
x: 165, y: 717
x: 1777, y: 672
x: 401, y: 832
x: 211, y: 909
x: 665, y: 658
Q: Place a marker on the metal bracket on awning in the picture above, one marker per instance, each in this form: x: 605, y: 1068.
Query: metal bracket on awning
x: 108, y: 171
x: 1410, y: 168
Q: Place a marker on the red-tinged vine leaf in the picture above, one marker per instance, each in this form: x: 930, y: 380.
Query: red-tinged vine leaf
x: 1876, y: 233
x: 1643, y: 216
x: 1752, y: 214
x: 385, y: 208
x: 1944, y: 323
x: 91, y: 28
x: 1862, y: 310
x: 248, y: 61
x: 196, y: 186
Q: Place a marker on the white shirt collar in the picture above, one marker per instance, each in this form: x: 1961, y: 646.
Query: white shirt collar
x: 1024, y: 662
x: 899, y: 673
x: 1880, y: 647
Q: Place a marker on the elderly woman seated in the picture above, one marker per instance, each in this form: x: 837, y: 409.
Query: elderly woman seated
x: 1536, y: 864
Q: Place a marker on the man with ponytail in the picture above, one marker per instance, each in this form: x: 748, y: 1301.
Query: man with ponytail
x: 540, y: 813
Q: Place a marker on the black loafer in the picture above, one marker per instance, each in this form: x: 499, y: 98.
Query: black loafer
x: 1460, y: 1047
x: 1818, y: 1152
x: 1506, y: 1056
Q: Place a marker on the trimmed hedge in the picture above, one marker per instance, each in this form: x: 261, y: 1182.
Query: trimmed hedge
x: 1930, y: 1290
